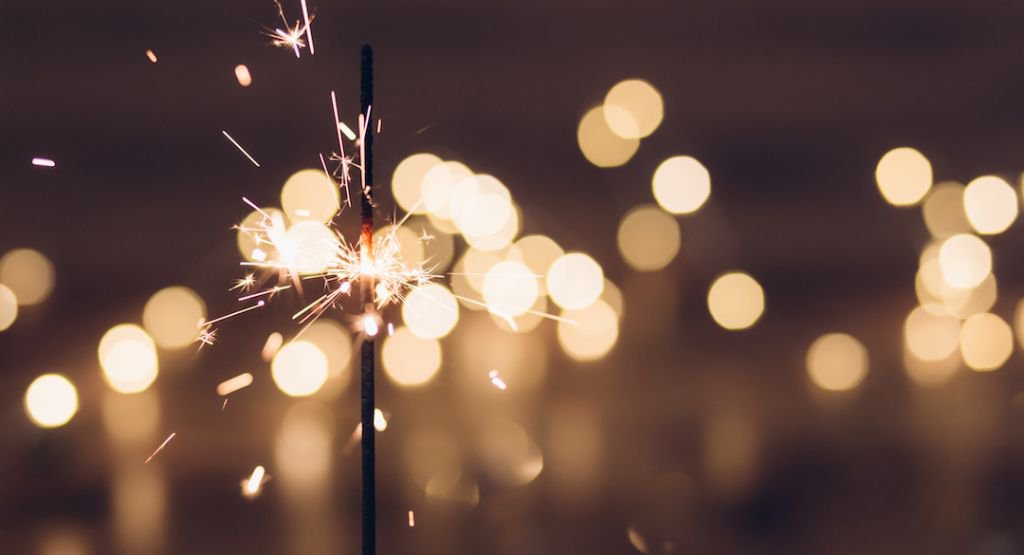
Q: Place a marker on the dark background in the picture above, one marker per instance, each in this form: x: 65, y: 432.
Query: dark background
x: 788, y: 103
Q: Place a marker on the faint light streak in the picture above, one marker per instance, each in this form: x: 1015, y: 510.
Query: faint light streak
x: 239, y: 147
x: 497, y: 381
x: 309, y: 31
x: 206, y: 337
x: 162, y: 445
x: 151, y: 55
x: 391, y: 329
x: 349, y: 134
x: 227, y: 387
x: 233, y: 314
x: 412, y: 519
x: 252, y: 485
x: 224, y: 406
x: 270, y: 348
x: 43, y: 162
x: 380, y: 122
x: 243, y: 75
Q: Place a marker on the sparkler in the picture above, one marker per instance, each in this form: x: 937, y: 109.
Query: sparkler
x: 291, y: 36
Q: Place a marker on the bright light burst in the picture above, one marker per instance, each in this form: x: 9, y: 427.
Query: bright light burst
x: 291, y: 36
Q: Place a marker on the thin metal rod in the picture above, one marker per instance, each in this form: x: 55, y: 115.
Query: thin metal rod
x: 366, y: 366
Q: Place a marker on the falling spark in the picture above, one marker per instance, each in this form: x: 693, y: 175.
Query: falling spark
x: 206, y: 338
x: 234, y: 142
x: 244, y: 284
x: 151, y: 56
x: 227, y: 387
x: 380, y: 122
x: 224, y: 406
x: 309, y: 31
x: 391, y: 329
x: 44, y: 162
x: 274, y: 342
x: 253, y: 485
x: 349, y: 134
x: 162, y: 445
x: 291, y: 36
x: 412, y: 519
x: 497, y: 381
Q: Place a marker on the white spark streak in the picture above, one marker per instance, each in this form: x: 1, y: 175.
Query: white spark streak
x: 234, y: 142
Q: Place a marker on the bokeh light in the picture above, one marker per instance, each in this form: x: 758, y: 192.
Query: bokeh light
x: 407, y: 181
x: 648, y: 238
x: 310, y: 247
x: 335, y: 343
x: 681, y: 184
x: 410, y: 360
x: 243, y: 75
x: 29, y: 274
x: 246, y: 235
x: 299, y: 369
x: 986, y: 342
x: 538, y: 252
x: 965, y: 261
x: 600, y: 145
x: 588, y: 333
x: 837, y: 362
x: 736, y: 301
x: 991, y: 204
x: 510, y: 288
x: 51, y: 401
x: 904, y: 176
x: 439, y: 186
x: 309, y: 195
x: 633, y: 109
x: 574, y: 280
x: 172, y: 316
x: 943, y: 210
x: 430, y: 311
x: 8, y: 307
x: 930, y: 336
x: 128, y: 358
x: 508, y: 454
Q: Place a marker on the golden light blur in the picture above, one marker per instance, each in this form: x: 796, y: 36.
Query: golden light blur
x: 8, y: 307
x: 51, y: 401
x: 407, y: 181
x: 681, y: 184
x: 904, y: 176
x: 590, y: 332
x: 302, y: 449
x: 430, y: 311
x: 1018, y: 322
x: 965, y: 261
x: 410, y: 360
x: 538, y: 252
x: 247, y: 243
x: 600, y: 145
x: 943, y: 210
x: 929, y: 336
x: 837, y: 362
x: 439, y: 187
x: 736, y: 301
x: 510, y: 288
x: 480, y: 205
x: 633, y: 109
x: 648, y: 238
x: 310, y: 247
x: 243, y: 75
x: 501, y: 238
x: 963, y: 303
x: 986, y: 342
x: 991, y: 204
x: 335, y: 343
x: 309, y: 195
x: 931, y: 373
x: 172, y: 316
x: 508, y: 454
x: 574, y: 280
x: 410, y: 248
x: 299, y: 369
x: 128, y: 358
x: 29, y: 274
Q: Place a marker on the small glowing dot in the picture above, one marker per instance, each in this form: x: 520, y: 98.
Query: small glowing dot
x: 379, y: 422
x: 600, y: 145
x: 407, y: 181
x: 29, y: 274
x: 128, y: 357
x: 837, y: 362
x: 430, y: 311
x: 986, y: 342
x: 965, y: 261
x: 931, y: 337
x: 943, y: 210
x: 904, y: 176
x: 43, y: 162
x: 310, y: 195
x: 990, y: 204
x: 681, y: 184
x: 736, y: 301
x: 299, y: 369
x: 151, y: 55
x: 243, y: 75
x: 171, y: 316
x: 648, y: 238
x: 8, y: 307
x: 410, y: 360
x: 510, y: 288
x: 633, y: 109
x: 588, y: 333
x: 575, y: 280
x: 51, y: 401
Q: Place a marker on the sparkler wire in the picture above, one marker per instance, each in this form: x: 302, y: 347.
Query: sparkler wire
x: 366, y: 374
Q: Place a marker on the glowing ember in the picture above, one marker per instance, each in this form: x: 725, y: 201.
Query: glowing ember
x: 44, y: 162
x: 151, y: 56
x: 252, y: 485
x: 412, y: 519
x: 496, y: 380
x: 162, y: 445
x: 227, y: 387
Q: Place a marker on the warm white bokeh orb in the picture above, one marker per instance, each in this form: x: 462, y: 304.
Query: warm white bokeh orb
x: 430, y: 311
x: 681, y: 184
x: 965, y: 261
x: 904, y: 176
x: 986, y: 342
x: 588, y: 333
x: 8, y: 307
x: 172, y: 316
x: 510, y: 288
x: 943, y: 210
x: 930, y: 336
x: 407, y: 181
x: 29, y: 274
x: 574, y: 280
x: 736, y: 301
x: 128, y: 358
x: 410, y: 360
x: 310, y: 195
x: 599, y: 144
x: 310, y: 248
x: 648, y: 238
x: 633, y: 109
x: 299, y: 369
x: 991, y: 204
x: 837, y: 362
x: 51, y: 401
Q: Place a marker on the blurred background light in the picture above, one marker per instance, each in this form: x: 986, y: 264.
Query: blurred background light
x: 600, y: 145
x: 480, y: 205
x: 681, y: 184
x: 943, y: 210
x: 407, y: 181
x: 991, y: 204
x: 904, y: 176
x: 965, y: 261
x: 736, y: 301
x: 309, y: 195
x: 430, y: 311
x: 837, y: 362
x: 986, y: 342
x: 51, y: 400
x: 246, y: 238
x: 439, y: 185
x: 311, y: 247
x: 633, y: 109
x: 335, y: 343
x: 510, y: 288
x: 299, y: 369
x: 538, y: 252
x: 29, y: 274
x: 588, y: 333
x: 172, y: 316
x: 574, y: 280
x: 410, y: 360
x: 8, y: 307
x: 931, y: 337
x: 648, y: 238
x: 128, y: 358
x: 242, y: 75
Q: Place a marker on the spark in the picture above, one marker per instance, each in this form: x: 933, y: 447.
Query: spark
x: 270, y: 348
x: 227, y: 387
x: 44, y: 162
x: 243, y: 75
x: 224, y: 406
x: 253, y: 485
x: 206, y: 337
x: 496, y: 380
x: 233, y: 314
x: 151, y: 55
x: 244, y: 284
x: 309, y: 31
x: 425, y: 237
x: 291, y: 36
x: 412, y: 519
x: 162, y: 445
x: 234, y: 142
x: 272, y: 291
x: 349, y: 134
x: 380, y: 122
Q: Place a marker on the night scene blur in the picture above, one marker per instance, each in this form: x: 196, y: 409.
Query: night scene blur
x: 650, y: 277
